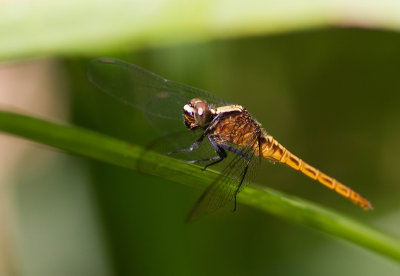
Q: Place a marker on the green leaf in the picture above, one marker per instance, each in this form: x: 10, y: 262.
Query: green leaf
x: 110, y: 150
x: 48, y: 27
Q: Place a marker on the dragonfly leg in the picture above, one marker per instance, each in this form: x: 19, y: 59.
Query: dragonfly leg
x: 194, y: 146
x: 241, y: 181
x: 248, y: 159
x: 219, y: 150
x: 216, y: 159
x: 235, y: 151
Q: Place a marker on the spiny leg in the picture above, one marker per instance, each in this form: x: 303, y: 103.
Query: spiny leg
x: 248, y: 159
x: 215, y: 159
x: 194, y: 146
x: 241, y: 181
x: 235, y: 151
x: 219, y: 150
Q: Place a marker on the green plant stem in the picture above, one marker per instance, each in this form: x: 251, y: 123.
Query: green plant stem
x: 110, y: 150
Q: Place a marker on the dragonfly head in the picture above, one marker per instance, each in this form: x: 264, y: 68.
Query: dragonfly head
x: 197, y: 113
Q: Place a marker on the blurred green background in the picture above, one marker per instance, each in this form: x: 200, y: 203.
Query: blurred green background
x: 330, y: 95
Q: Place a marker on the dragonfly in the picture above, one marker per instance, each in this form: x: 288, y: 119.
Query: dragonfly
x: 203, y: 118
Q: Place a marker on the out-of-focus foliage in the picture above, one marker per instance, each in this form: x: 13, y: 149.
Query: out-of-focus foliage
x: 47, y: 27
x: 329, y: 95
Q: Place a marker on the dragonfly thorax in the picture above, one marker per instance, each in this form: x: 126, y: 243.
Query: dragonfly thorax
x: 197, y: 113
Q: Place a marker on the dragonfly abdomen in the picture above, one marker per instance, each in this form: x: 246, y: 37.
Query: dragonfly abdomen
x: 274, y: 151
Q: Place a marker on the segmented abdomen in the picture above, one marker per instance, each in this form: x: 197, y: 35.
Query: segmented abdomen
x: 274, y: 151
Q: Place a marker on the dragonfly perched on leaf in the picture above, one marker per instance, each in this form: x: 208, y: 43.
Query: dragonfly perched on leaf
x: 203, y: 118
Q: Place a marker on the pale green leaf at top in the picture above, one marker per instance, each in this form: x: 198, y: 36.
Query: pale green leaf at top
x: 49, y: 27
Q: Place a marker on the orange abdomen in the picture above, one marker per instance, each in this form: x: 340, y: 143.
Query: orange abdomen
x: 274, y: 151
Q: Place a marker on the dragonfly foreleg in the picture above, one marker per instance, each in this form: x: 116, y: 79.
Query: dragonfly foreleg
x: 216, y: 159
x: 194, y: 146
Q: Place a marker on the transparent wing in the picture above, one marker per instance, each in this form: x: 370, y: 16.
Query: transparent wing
x: 161, y: 100
x: 226, y: 185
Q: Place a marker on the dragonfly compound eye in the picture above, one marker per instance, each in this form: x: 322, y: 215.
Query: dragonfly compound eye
x: 197, y: 113
x: 202, y: 114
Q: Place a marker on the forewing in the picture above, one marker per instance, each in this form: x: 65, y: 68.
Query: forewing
x: 161, y: 100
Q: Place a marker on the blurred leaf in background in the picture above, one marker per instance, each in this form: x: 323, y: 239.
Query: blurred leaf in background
x: 330, y: 95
